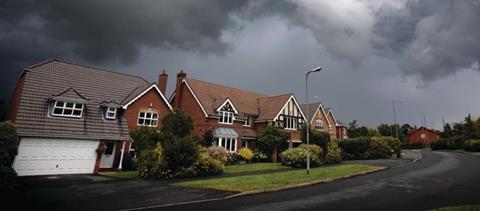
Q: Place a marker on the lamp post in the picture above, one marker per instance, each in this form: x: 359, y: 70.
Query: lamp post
x: 395, y: 115
x: 316, y: 69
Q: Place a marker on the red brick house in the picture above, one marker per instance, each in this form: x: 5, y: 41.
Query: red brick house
x: 322, y: 119
x: 422, y: 135
x: 234, y: 116
x: 64, y: 112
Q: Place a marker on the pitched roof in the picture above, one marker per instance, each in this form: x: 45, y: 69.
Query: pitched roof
x: 270, y: 106
x: 47, y: 79
x: 212, y: 95
x: 312, y: 108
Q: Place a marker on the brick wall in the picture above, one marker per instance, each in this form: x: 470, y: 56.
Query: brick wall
x: 15, y: 100
x: 416, y: 136
x: 150, y: 101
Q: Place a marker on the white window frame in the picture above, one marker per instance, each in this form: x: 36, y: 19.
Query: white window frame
x: 246, y: 120
x: 230, y: 144
x: 64, y: 108
x: 291, y: 123
x: 423, y: 136
x: 110, y: 111
x: 226, y: 117
x: 319, y: 124
x: 145, y: 118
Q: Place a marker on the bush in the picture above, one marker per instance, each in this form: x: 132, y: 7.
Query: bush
x: 354, y: 148
x: 259, y: 156
x: 151, y: 163
x: 439, y: 145
x: 145, y: 138
x: 246, y: 154
x: 393, y: 143
x: 204, y: 166
x: 8, y: 143
x: 218, y: 153
x: 128, y: 163
x: 378, y: 149
x: 297, y: 157
x: 8, y: 180
x: 233, y: 158
x: 177, y: 123
x: 334, y: 153
x: 179, y: 153
x: 472, y: 145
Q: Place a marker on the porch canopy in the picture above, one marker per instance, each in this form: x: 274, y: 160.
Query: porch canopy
x: 223, y: 132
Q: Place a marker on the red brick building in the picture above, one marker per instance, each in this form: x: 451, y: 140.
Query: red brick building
x: 234, y: 116
x: 64, y: 112
x: 322, y: 119
x: 422, y: 135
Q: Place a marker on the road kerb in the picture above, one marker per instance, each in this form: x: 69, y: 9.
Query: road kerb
x: 304, y: 184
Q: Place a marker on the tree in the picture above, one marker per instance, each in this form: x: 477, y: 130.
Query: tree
x: 8, y: 143
x: 179, y: 152
x: 208, y: 138
x: 355, y: 131
x: 469, y: 129
x: 404, y: 131
x: 373, y: 132
x: 144, y: 138
x: 385, y: 129
x: 178, y: 123
x: 270, y: 138
x: 316, y: 137
x: 447, y: 131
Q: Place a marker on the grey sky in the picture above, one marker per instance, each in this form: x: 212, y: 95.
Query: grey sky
x: 372, y: 51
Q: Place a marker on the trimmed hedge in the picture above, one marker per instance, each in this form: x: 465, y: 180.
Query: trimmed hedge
x: 472, y: 146
x: 370, y: 148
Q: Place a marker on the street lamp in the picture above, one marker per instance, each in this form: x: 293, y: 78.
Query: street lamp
x: 395, y: 114
x: 316, y: 69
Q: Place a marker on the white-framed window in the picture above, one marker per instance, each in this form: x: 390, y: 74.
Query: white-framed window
x: 290, y: 123
x: 230, y: 144
x: 319, y: 124
x: 111, y: 113
x: 226, y: 117
x: 148, y: 118
x: 423, y: 135
x: 67, y: 109
x: 246, y: 120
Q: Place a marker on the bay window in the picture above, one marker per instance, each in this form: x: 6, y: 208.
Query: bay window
x: 230, y: 144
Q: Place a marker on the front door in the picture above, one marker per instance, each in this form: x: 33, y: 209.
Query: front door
x: 108, y: 156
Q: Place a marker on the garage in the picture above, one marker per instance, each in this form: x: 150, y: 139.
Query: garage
x: 46, y: 156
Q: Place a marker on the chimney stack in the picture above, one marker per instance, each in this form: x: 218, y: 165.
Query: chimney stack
x: 162, y: 82
x: 179, y: 89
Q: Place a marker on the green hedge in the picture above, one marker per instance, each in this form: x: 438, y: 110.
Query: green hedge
x: 452, y: 143
x: 370, y: 148
x: 334, y: 153
x: 472, y: 145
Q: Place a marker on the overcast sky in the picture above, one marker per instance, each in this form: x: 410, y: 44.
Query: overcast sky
x: 371, y: 51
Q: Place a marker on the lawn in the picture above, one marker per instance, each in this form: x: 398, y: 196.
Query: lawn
x: 254, y: 167
x: 120, y: 174
x: 460, y: 208
x: 278, y: 179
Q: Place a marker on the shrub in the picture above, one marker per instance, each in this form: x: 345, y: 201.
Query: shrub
x: 145, y: 138
x: 128, y: 163
x: 334, y: 153
x: 179, y: 153
x: 8, y: 180
x: 393, y: 143
x: 218, y: 153
x: 151, y: 163
x: 205, y: 165
x: 354, y: 148
x: 8, y: 143
x: 378, y: 149
x: 472, y: 145
x: 297, y: 157
x: 319, y: 138
x: 233, y: 158
x: 177, y: 123
x: 439, y: 145
x: 246, y: 154
x: 259, y: 156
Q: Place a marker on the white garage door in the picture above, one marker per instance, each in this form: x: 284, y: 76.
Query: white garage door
x: 40, y: 156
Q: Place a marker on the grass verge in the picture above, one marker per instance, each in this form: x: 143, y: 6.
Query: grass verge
x: 120, y: 174
x: 459, y: 208
x: 254, y: 167
x: 278, y: 179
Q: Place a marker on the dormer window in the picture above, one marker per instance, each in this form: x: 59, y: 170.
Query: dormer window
x: 246, y: 120
x: 226, y: 113
x: 67, y: 109
x: 111, y: 113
